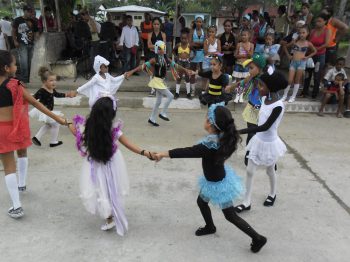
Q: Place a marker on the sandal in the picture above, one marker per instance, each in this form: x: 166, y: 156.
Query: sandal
x: 242, y: 208
x: 269, y: 201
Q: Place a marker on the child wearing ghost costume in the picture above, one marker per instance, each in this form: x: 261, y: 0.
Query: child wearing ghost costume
x: 157, y: 67
x: 101, y: 82
x: 265, y: 147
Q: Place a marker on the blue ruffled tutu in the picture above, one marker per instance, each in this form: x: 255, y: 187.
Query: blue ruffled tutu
x: 221, y: 193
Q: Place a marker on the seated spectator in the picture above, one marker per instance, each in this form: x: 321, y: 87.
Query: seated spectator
x: 337, y: 88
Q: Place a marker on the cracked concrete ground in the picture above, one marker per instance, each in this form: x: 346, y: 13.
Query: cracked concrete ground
x: 309, y: 222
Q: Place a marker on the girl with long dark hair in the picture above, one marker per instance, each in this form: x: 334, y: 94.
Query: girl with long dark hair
x: 219, y: 185
x: 104, y: 180
x: 15, y: 130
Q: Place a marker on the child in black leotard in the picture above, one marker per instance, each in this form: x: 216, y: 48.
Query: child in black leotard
x: 46, y: 95
x: 219, y: 185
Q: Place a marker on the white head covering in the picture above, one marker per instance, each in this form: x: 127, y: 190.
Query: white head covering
x: 199, y: 16
x: 99, y: 60
x: 300, y: 22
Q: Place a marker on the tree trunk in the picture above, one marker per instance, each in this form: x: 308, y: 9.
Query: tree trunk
x: 341, y: 9
x: 347, y: 62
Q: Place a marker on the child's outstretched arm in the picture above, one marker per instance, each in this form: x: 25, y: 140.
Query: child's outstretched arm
x: 243, y: 82
x: 84, y: 89
x: 134, y: 148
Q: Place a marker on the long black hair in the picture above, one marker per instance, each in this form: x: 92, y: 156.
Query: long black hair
x: 229, y: 137
x: 98, y: 130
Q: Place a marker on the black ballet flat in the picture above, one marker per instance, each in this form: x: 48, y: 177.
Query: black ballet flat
x: 257, y: 244
x: 152, y: 123
x: 202, y: 231
x: 242, y: 208
x: 269, y: 201
x: 57, y: 144
x: 36, y: 141
x: 164, y: 117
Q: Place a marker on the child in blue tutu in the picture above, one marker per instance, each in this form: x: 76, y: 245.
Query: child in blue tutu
x: 219, y: 185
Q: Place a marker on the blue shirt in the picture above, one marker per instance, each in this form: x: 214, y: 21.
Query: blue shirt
x: 168, y: 29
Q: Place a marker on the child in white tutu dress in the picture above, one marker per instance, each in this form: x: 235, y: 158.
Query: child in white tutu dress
x: 266, y: 146
x: 104, y: 179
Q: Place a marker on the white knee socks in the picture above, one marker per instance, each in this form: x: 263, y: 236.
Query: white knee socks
x: 285, y: 94
x: 178, y: 88
x: 55, y: 128
x: 12, y: 187
x: 22, y: 169
x: 270, y: 171
x: 42, y: 131
x: 251, y: 169
x: 295, y: 91
x: 193, y: 88
x: 188, y: 88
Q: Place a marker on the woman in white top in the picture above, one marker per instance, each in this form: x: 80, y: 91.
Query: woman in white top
x: 4, y: 43
x: 265, y: 147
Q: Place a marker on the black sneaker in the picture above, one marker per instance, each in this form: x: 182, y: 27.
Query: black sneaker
x: 22, y: 188
x: 152, y: 123
x: 189, y: 96
x: 36, y: 141
x: 57, y: 144
x: 202, y: 231
x: 257, y: 244
x: 176, y: 96
x: 15, y: 213
x: 164, y: 117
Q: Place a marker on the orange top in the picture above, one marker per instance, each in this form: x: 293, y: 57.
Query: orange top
x: 147, y: 28
x: 333, y: 33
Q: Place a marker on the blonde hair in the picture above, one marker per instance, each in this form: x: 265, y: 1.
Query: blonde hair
x: 45, y: 73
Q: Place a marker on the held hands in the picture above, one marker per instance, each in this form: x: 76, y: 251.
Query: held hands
x: 71, y: 94
x: 158, y: 156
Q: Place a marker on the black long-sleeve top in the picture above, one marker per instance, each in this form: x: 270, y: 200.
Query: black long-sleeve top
x: 212, y: 170
x: 264, y: 127
x: 47, y: 98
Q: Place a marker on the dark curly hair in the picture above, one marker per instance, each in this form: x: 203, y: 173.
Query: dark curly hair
x: 229, y: 136
x: 98, y: 130
x: 6, y: 58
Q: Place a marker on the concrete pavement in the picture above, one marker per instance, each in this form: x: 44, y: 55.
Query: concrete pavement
x: 309, y: 222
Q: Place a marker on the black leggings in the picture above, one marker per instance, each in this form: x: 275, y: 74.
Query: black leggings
x: 230, y: 216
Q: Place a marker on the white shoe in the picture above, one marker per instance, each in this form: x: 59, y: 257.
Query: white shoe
x: 16, y: 213
x: 236, y: 99
x: 108, y: 226
x: 284, y: 98
x: 291, y: 100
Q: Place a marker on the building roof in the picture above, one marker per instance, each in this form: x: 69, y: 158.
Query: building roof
x: 134, y: 8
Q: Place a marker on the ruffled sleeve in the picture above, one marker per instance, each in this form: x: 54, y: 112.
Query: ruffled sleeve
x: 79, y: 124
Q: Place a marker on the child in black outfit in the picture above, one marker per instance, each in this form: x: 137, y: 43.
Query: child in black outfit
x: 219, y: 185
x: 46, y: 95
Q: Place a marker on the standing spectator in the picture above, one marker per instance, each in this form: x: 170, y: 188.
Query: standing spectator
x: 108, y: 35
x: 281, y: 23
x: 23, y: 32
x: 180, y: 24
x: 319, y: 37
x: 146, y: 28
x: 154, y: 36
x: 95, y: 29
x: 306, y: 14
x: 51, y: 24
x: 338, y: 29
x: 6, y: 28
x: 245, y: 25
x: 4, y: 42
x: 228, y: 46
x: 254, y: 19
x: 129, y: 41
x: 168, y: 28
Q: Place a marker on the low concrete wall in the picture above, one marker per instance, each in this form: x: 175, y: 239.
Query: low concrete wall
x: 47, y: 49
